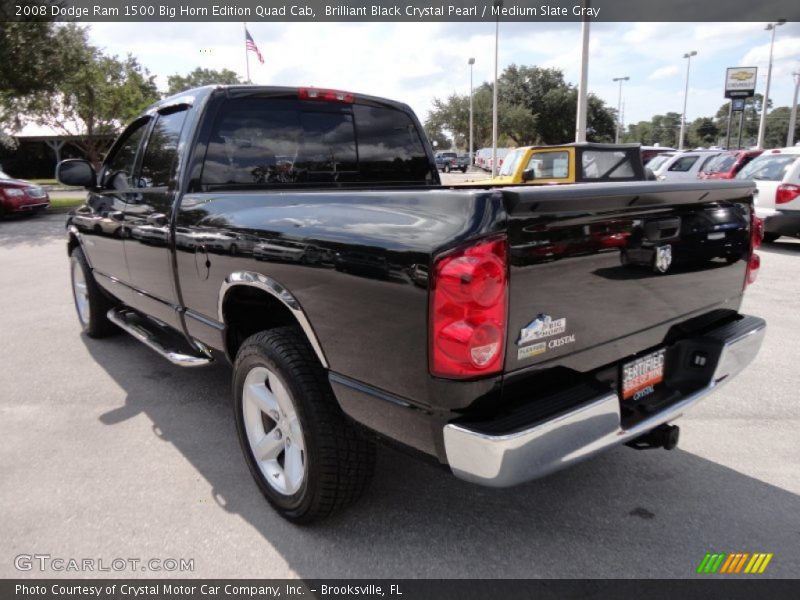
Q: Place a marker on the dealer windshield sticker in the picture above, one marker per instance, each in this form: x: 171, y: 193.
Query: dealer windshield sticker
x: 529, y: 351
x: 541, y: 327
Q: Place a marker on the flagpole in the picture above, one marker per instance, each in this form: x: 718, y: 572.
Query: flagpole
x: 246, y: 52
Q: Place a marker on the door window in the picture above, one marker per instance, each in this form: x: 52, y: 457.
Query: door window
x: 161, y: 154
x: 706, y: 162
x: 683, y: 164
x: 549, y: 165
x: 118, y: 170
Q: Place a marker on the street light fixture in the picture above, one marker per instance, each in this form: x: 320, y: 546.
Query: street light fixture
x: 619, y: 105
x: 762, y: 127
x: 470, y: 62
x: 688, y: 56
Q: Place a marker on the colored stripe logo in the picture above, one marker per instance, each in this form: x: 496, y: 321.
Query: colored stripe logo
x: 734, y: 563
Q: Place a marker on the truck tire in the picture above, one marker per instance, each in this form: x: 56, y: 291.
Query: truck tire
x: 306, y: 458
x: 91, y: 303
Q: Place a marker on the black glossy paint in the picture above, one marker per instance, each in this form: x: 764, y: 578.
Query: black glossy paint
x: 590, y: 259
x: 357, y: 261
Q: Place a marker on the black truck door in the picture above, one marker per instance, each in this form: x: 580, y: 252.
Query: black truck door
x: 148, y: 215
x: 102, y: 223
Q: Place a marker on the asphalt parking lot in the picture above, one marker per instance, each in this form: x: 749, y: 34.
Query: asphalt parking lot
x: 108, y: 451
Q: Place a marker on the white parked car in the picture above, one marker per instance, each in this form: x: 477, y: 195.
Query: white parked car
x: 776, y: 174
x: 676, y: 166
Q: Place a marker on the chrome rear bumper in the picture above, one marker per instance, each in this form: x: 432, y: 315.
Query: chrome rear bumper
x: 553, y: 444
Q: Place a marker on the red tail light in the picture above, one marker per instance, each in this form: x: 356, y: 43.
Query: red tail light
x: 756, y: 230
x: 786, y: 193
x: 754, y: 260
x: 753, y: 265
x: 325, y: 95
x: 468, y: 310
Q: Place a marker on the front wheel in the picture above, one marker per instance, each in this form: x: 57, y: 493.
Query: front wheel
x: 771, y: 237
x: 306, y: 458
x: 90, y: 302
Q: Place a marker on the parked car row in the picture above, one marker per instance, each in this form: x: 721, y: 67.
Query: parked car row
x: 484, y: 158
x: 702, y: 164
x: 776, y: 174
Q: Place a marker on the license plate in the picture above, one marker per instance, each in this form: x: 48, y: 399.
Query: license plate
x: 717, y: 235
x: 641, y: 376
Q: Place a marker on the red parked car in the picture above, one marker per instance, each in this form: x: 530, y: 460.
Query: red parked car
x: 727, y: 164
x: 20, y: 196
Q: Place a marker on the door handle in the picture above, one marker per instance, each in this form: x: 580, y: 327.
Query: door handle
x: 158, y: 219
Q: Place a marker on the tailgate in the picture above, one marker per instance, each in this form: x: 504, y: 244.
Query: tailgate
x: 599, y: 272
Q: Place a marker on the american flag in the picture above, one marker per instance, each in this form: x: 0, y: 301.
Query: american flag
x: 251, y: 45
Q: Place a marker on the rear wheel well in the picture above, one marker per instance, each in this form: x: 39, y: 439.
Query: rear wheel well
x: 72, y: 243
x: 247, y: 310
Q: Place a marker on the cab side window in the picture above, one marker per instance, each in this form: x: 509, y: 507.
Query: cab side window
x: 118, y: 171
x: 549, y: 165
x: 160, y: 156
x: 683, y: 164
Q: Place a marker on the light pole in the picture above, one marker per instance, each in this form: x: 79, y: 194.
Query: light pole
x: 470, y: 62
x: 793, y: 114
x: 498, y: 4
x: 619, y: 105
x: 580, y: 118
x: 762, y: 126
x: 688, y: 56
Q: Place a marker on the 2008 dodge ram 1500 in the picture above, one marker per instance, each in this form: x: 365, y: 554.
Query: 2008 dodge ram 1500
x: 507, y: 332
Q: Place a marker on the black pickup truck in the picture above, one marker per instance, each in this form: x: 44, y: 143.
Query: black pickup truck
x: 303, y: 235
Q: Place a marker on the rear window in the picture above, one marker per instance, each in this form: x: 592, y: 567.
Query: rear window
x: 772, y: 167
x: 265, y: 142
x: 604, y: 164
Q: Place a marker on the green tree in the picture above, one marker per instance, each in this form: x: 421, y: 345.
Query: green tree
x: 200, y: 77
x: 778, y: 127
x: 98, y: 97
x: 702, y: 132
x: 660, y: 129
x: 641, y: 132
x: 535, y: 106
x: 437, y: 137
x: 39, y: 55
x: 751, y: 116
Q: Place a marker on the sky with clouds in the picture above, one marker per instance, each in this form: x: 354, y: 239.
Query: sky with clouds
x: 415, y: 62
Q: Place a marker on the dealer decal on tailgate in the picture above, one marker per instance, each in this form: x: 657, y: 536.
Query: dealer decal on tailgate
x: 640, y: 376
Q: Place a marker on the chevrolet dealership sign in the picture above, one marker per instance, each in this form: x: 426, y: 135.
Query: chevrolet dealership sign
x: 740, y: 82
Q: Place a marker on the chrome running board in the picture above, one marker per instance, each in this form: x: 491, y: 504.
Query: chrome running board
x: 158, y: 337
